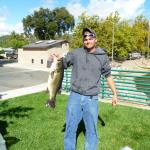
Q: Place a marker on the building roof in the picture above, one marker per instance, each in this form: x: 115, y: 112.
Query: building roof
x: 44, y: 44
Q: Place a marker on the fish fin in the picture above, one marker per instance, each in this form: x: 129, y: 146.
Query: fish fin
x: 52, y: 74
x: 50, y: 103
x: 60, y: 86
x: 59, y: 89
x: 47, y: 90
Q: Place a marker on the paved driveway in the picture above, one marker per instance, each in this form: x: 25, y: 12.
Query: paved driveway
x: 14, y: 78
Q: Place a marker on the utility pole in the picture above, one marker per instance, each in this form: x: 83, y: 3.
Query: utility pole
x: 113, y: 38
x: 113, y: 33
x: 148, y: 39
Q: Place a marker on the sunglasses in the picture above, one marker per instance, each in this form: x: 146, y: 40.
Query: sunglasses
x: 90, y: 35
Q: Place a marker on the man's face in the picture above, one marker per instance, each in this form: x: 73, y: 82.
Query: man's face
x: 89, y: 40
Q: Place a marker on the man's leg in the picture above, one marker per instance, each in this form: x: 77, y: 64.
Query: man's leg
x: 73, y: 117
x: 90, y: 117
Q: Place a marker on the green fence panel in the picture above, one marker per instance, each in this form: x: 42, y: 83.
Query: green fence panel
x: 132, y: 85
x: 66, y: 80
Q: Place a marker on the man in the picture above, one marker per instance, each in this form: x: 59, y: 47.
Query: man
x: 89, y: 63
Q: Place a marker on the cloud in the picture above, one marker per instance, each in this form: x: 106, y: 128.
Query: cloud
x: 18, y: 27
x: 50, y: 4
x: 4, y: 12
x: 31, y: 11
x: 6, y: 28
x: 76, y: 9
x: 48, y: 1
x: 2, y: 19
x: 126, y: 8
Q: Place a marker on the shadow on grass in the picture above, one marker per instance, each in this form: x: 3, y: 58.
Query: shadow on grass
x: 9, y: 114
x: 10, y: 140
x: 81, y: 126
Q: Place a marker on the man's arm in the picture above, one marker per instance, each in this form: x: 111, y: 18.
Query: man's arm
x: 113, y: 89
x: 67, y: 59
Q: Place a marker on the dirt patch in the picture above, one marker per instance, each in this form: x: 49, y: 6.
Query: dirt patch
x: 137, y: 64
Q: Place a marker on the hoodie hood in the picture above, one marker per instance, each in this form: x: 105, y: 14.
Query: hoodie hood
x: 99, y: 51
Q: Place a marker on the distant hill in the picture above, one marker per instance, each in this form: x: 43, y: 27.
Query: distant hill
x: 3, y: 40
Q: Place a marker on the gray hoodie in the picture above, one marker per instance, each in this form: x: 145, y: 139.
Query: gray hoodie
x: 87, y: 70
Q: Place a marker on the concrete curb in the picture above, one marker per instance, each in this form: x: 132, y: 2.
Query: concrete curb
x: 22, y: 91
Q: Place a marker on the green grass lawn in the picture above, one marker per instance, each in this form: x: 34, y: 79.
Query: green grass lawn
x: 26, y: 124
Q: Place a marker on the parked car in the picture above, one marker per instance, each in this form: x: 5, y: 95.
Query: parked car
x: 1, y: 64
x: 135, y: 55
x: 11, y: 55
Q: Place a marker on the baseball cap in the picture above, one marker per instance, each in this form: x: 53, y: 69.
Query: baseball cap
x: 92, y: 32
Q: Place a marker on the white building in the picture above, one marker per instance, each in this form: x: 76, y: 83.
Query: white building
x: 37, y: 54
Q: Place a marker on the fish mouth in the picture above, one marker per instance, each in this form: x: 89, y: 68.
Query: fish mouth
x: 60, y: 59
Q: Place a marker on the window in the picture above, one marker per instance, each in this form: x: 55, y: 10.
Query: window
x: 32, y: 61
x: 41, y: 61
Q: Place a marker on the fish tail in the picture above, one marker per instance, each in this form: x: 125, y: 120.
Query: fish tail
x: 50, y: 103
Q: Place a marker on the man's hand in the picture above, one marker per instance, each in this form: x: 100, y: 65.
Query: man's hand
x: 113, y: 89
x: 55, y: 57
x: 114, y: 100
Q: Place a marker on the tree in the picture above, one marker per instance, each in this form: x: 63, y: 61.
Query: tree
x: 140, y: 32
x: 14, y: 41
x: 124, y: 40
x: 3, y: 40
x: 108, y: 28
x: 113, y: 33
x: 45, y: 24
x: 17, y: 40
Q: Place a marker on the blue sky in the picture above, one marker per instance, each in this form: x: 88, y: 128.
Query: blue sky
x: 13, y: 11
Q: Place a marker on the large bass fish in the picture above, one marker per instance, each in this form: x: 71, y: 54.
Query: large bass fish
x: 55, y: 81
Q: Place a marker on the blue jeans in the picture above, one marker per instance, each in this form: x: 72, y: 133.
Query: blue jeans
x: 78, y: 107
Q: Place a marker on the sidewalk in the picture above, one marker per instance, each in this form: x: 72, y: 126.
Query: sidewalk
x: 26, y: 90
x: 17, y: 65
